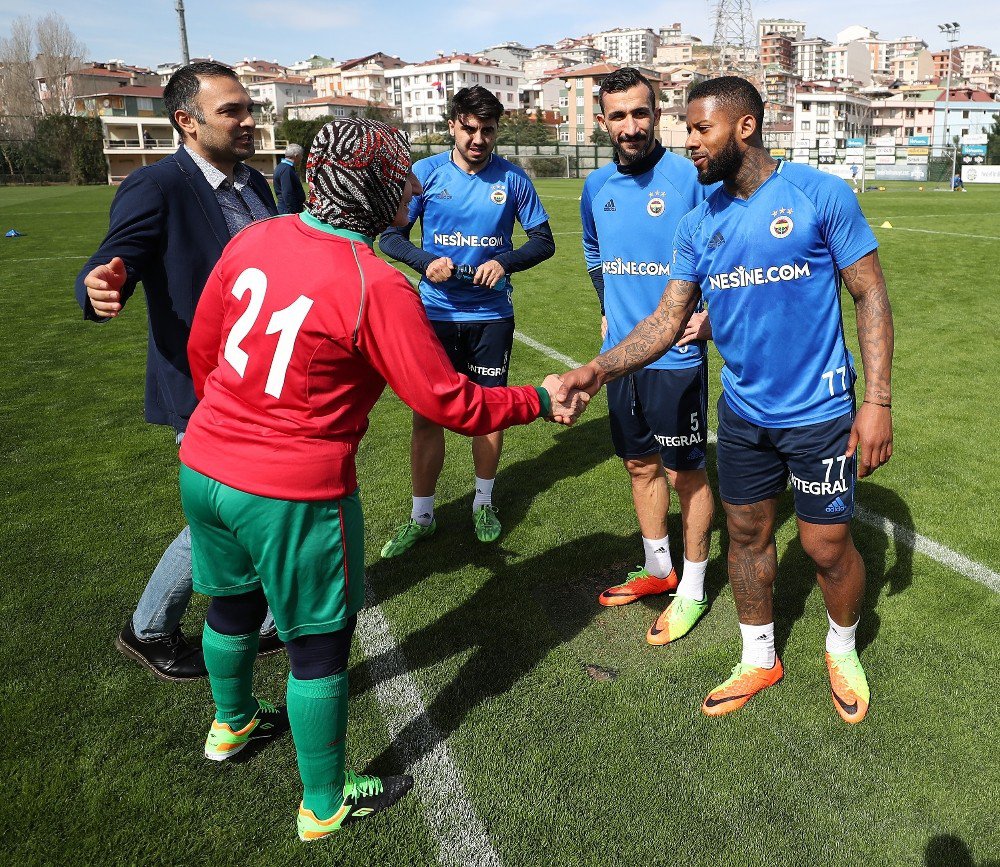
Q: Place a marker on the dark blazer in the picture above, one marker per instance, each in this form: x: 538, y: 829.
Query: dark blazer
x: 288, y: 189
x: 167, y: 226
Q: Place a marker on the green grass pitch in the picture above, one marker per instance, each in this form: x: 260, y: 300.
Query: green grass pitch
x: 102, y: 764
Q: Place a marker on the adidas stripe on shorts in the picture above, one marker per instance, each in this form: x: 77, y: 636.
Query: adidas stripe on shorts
x: 757, y: 463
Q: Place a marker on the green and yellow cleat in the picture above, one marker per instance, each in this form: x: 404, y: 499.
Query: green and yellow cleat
x: 406, y: 536
x: 677, y: 620
x: 364, y: 796
x: 223, y: 743
x: 848, y: 686
x: 486, y: 523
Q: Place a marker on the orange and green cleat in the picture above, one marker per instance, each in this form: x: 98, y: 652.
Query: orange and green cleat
x: 848, y: 686
x: 745, y: 683
x: 677, y: 620
x: 222, y: 742
x: 638, y: 584
x: 363, y: 796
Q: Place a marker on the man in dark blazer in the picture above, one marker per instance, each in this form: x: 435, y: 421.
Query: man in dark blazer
x: 287, y: 186
x: 168, y: 225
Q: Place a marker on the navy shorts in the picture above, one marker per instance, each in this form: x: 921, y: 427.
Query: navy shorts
x: 756, y: 463
x: 480, y: 350
x: 661, y: 411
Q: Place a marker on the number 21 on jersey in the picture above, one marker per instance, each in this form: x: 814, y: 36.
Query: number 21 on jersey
x: 286, y: 323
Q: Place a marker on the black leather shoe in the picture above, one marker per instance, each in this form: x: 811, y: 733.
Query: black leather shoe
x: 270, y: 643
x: 170, y: 658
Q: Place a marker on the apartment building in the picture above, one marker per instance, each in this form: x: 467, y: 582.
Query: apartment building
x: 825, y: 113
x: 275, y: 95
x: 327, y: 106
x: 776, y: 51
x: 973, y: 58
x: 794, y: 30
x: 420, y: 92
x: 945, y: 59
x: 250, y: 71
x: 808, y: 59
x: 628, y: 46
x: 912, y: 68
x: 905, y: 113
x: 850, y: 60
x: 967, y: 111
x: 508, y: 54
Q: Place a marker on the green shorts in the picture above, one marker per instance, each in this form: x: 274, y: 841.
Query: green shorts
x: 308, y: 557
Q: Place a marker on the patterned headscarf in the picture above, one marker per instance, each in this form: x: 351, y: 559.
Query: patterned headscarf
x: 356, y: 172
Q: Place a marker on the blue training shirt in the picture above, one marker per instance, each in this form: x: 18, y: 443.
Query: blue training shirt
x: 629, y: 222
x: 470, y: 219
x: 769, y: 270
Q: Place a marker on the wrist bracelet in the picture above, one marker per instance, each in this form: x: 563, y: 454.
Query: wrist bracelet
x: 876, y: 403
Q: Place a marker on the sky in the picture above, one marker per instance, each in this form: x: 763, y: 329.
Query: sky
x: 145, y: 33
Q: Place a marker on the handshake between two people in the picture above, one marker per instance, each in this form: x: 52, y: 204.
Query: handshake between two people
x: 570, y: 406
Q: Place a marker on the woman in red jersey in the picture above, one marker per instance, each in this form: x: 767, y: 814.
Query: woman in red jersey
x: 298, y: 331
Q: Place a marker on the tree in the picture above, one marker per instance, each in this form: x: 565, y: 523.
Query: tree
x: 18, y: 97
x: 60, y: 54
x: 600, y: 137
x: 301, y: 132
x: 520, y: 129
x: 380, y: 111
x: 993, y: 143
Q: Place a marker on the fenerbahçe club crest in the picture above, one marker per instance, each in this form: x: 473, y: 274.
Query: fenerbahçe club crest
x: 655, y: 206
x: 781, y: 225
x: 498, y: 195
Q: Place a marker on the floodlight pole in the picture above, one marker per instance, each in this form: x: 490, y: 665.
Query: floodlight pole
x: 185, y: 55
x: 952, y: 32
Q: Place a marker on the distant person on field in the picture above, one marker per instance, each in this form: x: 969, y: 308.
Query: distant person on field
x: 956, y: 184
x: 767, y: 251
x: 169, y: 223
x: 287, y: 186
x: 470, y: 200
x: 854, y: 175
x: 298, y: 331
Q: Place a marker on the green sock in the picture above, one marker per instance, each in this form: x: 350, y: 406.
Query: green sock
x: 229, y: 660
x: 317, y: 714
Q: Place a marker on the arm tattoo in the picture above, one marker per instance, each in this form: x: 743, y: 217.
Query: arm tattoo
x: 652, y: 337
x: 865, y: 282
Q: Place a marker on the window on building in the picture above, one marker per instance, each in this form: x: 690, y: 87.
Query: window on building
x: 488, y: 79
x: 579, y: 136
x: 823, y: 109
x: 418, y: 110
x: 510, y: 82
x: 579, y: 101
x: 564, y: 135
x: 822, y: 126
x: 475, y: 76
x: 145, y: 103
x: 807, y: 106
x: 805, y: 126
x: 430, y: 94
x: 563, y: 102
x: 965, y: 114
x: 510, y: 97
x: 579, y: 119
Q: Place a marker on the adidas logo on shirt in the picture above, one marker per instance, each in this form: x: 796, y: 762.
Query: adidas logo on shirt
x: 718, y: 239
x: 695, y: 455
x: 836, y: 507
x: 609, y: 205
x: 444, y: 195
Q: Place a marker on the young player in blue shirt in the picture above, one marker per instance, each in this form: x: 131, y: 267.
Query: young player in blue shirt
x: 470, y: 200
x: 630, y: 209
x: 767, y: 252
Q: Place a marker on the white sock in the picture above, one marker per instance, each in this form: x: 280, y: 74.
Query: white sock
x: 484, y: 493
x: 657, y: 552
x: 758, y: 645
x: 423, y: 510
x: 840, y: 639
x: 693, y: 580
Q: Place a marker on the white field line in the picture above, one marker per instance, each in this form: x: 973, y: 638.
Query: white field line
x: 898, y: 533
x: 49, y: 258
x: 460, y: 835
x: 876, y: 225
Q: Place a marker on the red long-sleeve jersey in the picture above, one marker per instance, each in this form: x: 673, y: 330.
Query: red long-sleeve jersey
x: 295, y: 337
